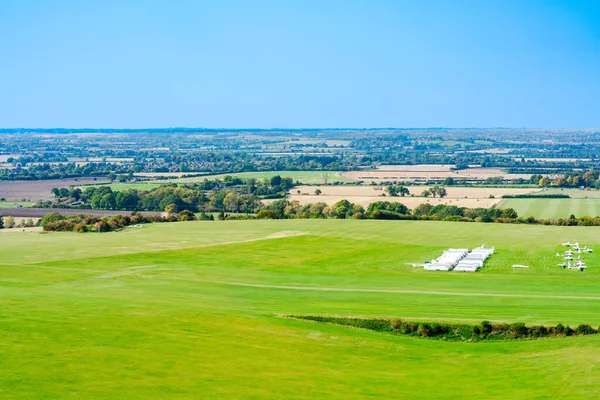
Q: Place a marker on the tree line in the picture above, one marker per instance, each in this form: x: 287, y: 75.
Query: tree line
x: 231, y: 194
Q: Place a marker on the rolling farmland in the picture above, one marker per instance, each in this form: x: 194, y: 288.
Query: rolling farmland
x: 183, y: 310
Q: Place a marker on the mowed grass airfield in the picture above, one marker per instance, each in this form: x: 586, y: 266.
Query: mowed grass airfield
x: 582, y: 203
x: 194, y: 310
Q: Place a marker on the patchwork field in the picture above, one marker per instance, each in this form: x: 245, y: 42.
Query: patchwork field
x: 420, y: 174
x: 582, y: 203
x: 142, y: 185
x: 367, y: 194
x: 4, y: 157
x: 194, y: 310
x: 307, y: 177
x: 554, y: 208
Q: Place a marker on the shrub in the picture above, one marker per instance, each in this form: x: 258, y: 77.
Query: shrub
x: 585, y: 329
x: 518, y: 329
x: 396, y: 324
x: 52, y: 217
x: 486, y: 327
x: 81, y: 228
x: 425, y: 330
x: 186, y: 215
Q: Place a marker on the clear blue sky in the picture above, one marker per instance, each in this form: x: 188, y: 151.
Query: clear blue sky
x: 294, y: 64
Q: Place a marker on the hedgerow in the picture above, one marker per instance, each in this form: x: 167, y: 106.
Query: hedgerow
x: 55, y: 222
x: 485, y: 331
x: 536, y: 196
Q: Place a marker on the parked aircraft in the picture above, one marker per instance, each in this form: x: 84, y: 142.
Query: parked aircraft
x: 580, y: 266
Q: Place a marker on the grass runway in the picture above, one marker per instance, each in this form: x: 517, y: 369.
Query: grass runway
x: 194, y: 310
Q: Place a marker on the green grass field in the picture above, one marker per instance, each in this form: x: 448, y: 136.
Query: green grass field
x: 304, y: 177
x: 582, y: 203
x: 194, y: 310
x: 575, y: 193
x: 129, y: 185
x: 554, y: 208
x: 14, y: 204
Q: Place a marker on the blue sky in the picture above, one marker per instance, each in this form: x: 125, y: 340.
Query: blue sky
x: 294, y: 64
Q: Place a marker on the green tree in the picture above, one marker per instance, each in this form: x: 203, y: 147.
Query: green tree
x: 88, y: 193
x: 342, y: 209
x: 9, y: 222
x: 422, y: 209
x: 392, y: 190
x: 232, y: 201
x: 186, y: 215
x: 171, y: 209
x: 449, y: 181
x: 276, y: 180
x: 52, y: 217
x: 126, y: 200
x: 509, y: 213
x: 63, y: 193
x: 75, y: 194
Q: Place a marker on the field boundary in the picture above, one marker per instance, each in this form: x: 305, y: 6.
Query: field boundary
x: 392, y: 291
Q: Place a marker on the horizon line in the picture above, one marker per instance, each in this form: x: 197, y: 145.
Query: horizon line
x: 183, y: 128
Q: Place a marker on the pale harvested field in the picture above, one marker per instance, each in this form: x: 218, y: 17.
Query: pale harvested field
x: 552, y: 159
x: 100, y: 159
x: 4, y: 157
x: 417, y: 168
x: 365, y: 195
x: 30, y: 212
x: 40, y: 190
x: 468, y: 174
x: 410, y: 202
x: 31, y: 230
x: 167, y: 174
x: 490, y: 151
x: 18, y: 221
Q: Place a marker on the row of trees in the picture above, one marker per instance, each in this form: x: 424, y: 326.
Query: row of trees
x: 434, y: 191
x: 344, y: 209
x: 90, y: 223
x: 573, y: 179
x: 230, y: 195
x: 397, y: 190
x: 10, y: 222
